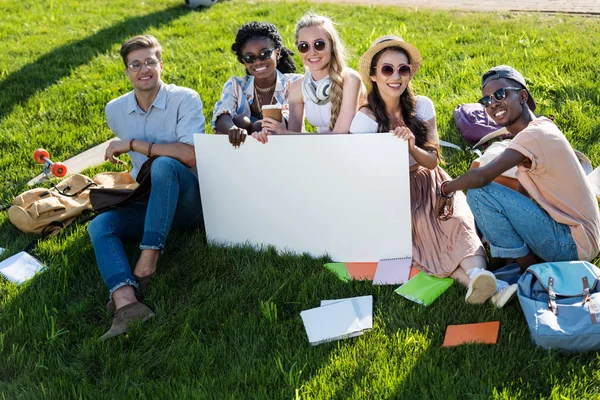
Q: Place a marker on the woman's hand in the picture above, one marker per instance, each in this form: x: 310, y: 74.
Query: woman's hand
x: 444, y: 207
x: 261, y: 136
x: 402, y: 132
x: 274, y: 126
x: 237, y: 136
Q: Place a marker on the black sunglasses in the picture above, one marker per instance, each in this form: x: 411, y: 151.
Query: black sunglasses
x: 499, y: 95
x: 263, y: 56
x: 388, y: 70
x: 319, y: 45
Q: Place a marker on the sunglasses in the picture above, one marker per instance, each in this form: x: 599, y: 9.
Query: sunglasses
x: 499, y: 95
x: 388, y: 70
x: 319, y: 45
x: 263, y: 56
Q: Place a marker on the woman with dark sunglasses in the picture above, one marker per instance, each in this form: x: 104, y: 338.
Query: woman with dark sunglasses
x: 449, y: 248
x: 330, y: 92
x: 269, y: 75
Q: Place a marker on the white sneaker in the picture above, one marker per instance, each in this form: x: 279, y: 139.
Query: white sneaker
x: 482, y: 286
x: 504, y: 296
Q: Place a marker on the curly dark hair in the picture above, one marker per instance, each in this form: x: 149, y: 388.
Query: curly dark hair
x: 264, y: 30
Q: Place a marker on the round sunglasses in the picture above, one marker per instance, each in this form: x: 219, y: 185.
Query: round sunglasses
x: 387, y: 70
x: 319, y: 45
x: 499, y: 95
x: 263, y: 56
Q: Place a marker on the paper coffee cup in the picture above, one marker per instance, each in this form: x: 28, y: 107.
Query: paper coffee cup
x: 273, y: 111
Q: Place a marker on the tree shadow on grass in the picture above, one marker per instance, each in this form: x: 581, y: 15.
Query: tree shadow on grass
x: 20, y: 85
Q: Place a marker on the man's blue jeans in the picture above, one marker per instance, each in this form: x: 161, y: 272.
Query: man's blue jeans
x: 514, y: 225
x: 174, y: 202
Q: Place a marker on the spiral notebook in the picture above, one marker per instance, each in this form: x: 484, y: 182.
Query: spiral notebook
x: 393, y: 271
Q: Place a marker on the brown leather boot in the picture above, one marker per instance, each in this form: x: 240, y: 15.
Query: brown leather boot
x: 125, y: 317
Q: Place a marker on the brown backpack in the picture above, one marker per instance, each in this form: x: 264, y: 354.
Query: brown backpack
x: 46, y: 211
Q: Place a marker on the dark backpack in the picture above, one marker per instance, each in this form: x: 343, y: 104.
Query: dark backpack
x: 473, y: 122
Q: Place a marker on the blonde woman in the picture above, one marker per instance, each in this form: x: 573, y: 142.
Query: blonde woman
x: 330, y: 92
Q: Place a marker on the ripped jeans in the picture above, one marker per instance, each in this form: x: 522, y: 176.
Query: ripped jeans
x: 174, y: 202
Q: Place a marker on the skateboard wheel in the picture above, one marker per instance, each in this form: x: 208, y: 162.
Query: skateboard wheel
x: 58, y: 169
x: 40, y: 155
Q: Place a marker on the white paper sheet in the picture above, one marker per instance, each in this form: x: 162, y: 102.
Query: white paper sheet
x: 331, y: 322
x: 20, y: 267
x: 344, y: 195
x: 363, y: 306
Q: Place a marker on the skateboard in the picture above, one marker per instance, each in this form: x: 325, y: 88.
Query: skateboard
x: 78, y: 163
x: 58, y: 169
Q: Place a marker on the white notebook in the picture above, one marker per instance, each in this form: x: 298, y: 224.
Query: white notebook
x: 363, y: 306
x: 332, y: 322
x: 20, y: 267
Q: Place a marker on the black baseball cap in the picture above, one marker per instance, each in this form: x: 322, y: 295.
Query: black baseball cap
x: 504, y: 71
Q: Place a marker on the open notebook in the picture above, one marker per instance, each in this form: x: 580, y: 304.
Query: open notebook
x: 338, y: 319
x: 20, y: 267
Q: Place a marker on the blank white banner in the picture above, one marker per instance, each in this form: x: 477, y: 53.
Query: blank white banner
x: 343, y: 195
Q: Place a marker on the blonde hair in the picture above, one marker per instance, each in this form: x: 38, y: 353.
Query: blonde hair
x: 337, y: 63
x: 141, y: 42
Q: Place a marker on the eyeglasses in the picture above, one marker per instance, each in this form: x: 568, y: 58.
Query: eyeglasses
x: 319, y: 45
x: 499, y: 95
x: 263, y: 56
x: 388, y: 70
x: 135, y: 66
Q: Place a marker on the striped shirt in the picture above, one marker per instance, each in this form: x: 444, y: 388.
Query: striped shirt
x: 238, y: 95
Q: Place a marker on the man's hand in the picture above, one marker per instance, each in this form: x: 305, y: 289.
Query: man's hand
x: 237, y: 136
x: 115, y: 149
x: 444, y: 207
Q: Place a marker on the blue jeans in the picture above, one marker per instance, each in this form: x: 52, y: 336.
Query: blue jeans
x: 514, y: 225
x: 174, y: 202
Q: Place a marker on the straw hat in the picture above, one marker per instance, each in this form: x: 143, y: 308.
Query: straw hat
x: 383, y: 42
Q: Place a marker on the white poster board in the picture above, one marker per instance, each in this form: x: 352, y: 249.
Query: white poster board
x: 342, y: 195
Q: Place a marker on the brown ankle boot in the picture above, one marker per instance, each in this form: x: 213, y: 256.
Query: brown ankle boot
x: 125, y: 317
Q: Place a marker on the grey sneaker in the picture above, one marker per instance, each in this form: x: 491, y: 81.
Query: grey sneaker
x: 481, y: 287
x: 125, y: 317
x: 504, y: 296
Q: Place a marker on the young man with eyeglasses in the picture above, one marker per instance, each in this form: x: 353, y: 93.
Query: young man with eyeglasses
x: 155, y: 119
x: 554, y: 215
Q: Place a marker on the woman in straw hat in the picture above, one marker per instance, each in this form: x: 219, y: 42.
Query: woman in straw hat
x: 448, y: 248
x: 330, y: 93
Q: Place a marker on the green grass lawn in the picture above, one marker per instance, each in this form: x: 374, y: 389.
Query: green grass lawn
x: 213, y: 336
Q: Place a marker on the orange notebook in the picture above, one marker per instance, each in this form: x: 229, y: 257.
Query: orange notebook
x: 361, y: 270
x: 484, y: 332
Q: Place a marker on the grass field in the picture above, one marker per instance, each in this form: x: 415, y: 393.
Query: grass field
x: 228, y: 322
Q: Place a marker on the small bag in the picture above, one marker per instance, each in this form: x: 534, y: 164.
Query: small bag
x: 108, y: 198
x: 473, y: 122
x: 561, y: 301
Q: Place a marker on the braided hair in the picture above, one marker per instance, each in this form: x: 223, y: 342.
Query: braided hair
x: 337, y: 63
x: 264, y: 30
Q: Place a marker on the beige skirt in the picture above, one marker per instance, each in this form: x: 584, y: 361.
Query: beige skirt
x: 440, y: 246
